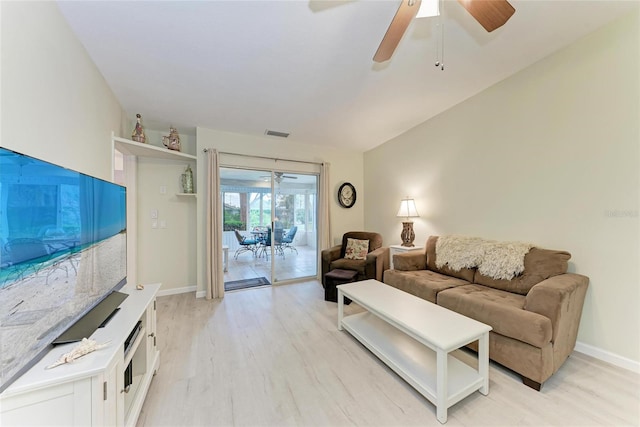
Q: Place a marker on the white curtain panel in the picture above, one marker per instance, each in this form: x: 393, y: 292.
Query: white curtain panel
x: 215, y: 273
x: 324, y: 203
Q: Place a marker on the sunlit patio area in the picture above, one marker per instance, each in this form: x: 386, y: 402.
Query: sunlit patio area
x: 291, y: 265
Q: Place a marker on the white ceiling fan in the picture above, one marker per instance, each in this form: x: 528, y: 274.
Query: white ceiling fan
x: 278, y: 177
x: 491, y: 14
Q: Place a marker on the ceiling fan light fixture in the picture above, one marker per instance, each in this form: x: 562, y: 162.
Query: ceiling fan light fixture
x: 428, y: 9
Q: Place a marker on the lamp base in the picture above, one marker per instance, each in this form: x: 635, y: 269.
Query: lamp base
x: 407, y: 234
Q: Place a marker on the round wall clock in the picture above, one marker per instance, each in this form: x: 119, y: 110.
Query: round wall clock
x: 347, y: 195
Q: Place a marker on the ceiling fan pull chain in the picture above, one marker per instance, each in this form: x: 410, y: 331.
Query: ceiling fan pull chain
x: 438, y: 42
x: 442, y: 48
x: 437, y: 63
x: 441, y: 35
x: 440, y: 38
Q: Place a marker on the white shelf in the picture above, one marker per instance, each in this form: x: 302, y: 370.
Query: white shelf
x: 134, y: 347
x: 413, y: 361
x: 134, y: 148
x: 130, y: 397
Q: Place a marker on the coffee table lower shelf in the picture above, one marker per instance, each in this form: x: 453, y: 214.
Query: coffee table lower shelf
x: 412, y: 360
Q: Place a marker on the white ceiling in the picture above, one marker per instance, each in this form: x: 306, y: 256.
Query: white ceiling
x: 305, y: 67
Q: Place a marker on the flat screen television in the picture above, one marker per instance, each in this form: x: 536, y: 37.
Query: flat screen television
x: 63, y: 239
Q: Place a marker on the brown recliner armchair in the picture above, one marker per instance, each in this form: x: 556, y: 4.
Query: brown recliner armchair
x: 371, y: 268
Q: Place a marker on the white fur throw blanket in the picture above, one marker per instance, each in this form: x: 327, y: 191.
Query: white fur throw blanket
x: 498, y: 260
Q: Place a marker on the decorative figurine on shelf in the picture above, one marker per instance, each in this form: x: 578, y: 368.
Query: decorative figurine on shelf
x: 172, y: 141
x: 138, y: 132
x: 187, y: 180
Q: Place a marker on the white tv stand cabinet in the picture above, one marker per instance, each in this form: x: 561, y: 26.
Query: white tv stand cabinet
x: 90, y: 390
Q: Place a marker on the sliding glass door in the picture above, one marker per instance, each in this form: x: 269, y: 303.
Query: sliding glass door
x: 295, y: 236
x: 269, y: 224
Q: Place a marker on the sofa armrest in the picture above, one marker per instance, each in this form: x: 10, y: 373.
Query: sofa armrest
x: 560, y: 298
x: 327, y: 257
x: 410, y: 261
x: 377, y: 262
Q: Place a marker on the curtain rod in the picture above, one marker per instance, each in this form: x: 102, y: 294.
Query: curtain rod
x: 265, y: 157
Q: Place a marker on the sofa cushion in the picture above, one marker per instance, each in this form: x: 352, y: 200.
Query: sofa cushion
x: 464, y: 274
x: 349, y: 264
x: 412, y: 260
x: 422, y: 283
x: 539, y: 264
x: 503, y: 311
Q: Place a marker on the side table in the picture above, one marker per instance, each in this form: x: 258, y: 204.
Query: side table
x: 399, y: 249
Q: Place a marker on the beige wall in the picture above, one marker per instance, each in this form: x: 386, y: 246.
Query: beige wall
x: 346, y: 166
x: 55, y: 103
x: 166, y: 255
x: 549, y: 155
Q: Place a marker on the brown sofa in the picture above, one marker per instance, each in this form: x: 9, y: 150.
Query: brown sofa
x: 371, y: 268
x: 534, y: 316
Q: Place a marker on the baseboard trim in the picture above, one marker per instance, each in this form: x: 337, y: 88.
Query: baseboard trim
x: 183, y: 290
x: 175, y: 291
x: 608, y: 357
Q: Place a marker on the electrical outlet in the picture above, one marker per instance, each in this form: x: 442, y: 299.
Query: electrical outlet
x: 163, y: 189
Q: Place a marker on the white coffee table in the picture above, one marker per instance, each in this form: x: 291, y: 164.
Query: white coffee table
x: 414, y: 338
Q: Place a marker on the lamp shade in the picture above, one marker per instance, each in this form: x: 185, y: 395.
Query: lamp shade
x: 407, y: 209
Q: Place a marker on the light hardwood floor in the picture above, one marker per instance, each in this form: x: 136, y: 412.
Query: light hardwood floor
x: 273, y: 356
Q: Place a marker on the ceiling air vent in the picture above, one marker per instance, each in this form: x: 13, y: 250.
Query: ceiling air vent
x: 276, y: 133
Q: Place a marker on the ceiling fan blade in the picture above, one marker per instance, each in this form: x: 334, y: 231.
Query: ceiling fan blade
x: 491, y: 14
x: 406, y: 12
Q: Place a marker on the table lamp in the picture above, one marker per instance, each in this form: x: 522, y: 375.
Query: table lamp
x: 407, y: 210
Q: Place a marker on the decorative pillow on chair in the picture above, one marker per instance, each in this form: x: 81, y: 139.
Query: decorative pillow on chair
x: 356, y: 249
